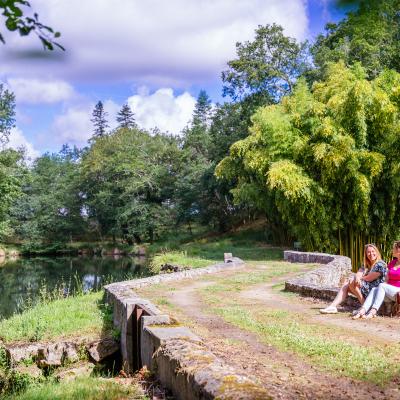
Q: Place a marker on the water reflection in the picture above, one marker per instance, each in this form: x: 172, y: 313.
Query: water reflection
x: 22, y: 279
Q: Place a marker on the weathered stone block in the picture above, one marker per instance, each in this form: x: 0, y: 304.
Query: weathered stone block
x: 103, y: 348
x: 17, y: 353
x: 193, y: 373
x: 50, y: 356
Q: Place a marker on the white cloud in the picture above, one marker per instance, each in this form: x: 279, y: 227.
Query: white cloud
x: 74, y: 125
x: 36, y: 91
x: 18, y: 140
x: 162, y: 109
x: 154, y: 42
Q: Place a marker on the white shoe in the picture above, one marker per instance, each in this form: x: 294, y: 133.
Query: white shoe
x: 329, y: 310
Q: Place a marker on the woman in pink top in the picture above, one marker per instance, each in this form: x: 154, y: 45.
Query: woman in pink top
x: 389, y: 290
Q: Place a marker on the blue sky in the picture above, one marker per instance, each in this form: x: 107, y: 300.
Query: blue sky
x: 154, y: 55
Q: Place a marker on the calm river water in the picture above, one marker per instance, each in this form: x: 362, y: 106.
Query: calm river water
x: 21, y: 280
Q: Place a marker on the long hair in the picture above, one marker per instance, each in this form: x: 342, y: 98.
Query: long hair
x: 367, y: 263
x: 396, y: 244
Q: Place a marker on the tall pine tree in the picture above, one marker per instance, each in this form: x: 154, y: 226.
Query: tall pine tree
x: 99, y: 121
x: 202, y: 110
x: 125, y: 117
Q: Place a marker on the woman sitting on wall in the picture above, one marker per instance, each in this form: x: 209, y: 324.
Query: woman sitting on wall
x: 367, y: 278
x: 385, y: 291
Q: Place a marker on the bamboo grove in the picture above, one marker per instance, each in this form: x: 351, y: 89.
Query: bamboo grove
x: 326, y: 160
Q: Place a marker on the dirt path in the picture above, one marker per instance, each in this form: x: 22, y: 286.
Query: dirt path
x: 284, y: 375
x: 380, y: 328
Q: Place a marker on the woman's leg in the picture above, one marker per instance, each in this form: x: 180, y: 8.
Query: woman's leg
x: 365, y: 308
x: 371, y: 299
x: 353, y: 288
x: 387, y: 290
x: 341, y: 296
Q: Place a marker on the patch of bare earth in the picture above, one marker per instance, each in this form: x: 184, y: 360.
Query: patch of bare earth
x: 283, y: 374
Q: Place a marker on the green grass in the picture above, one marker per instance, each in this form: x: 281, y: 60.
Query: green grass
x: 317, y: 345
x: 248, y: 245
x: 329, y: 348
x: 247, y: 249
x: 75, y: 315
x: 177, y: 258
x: 81, y: 388
x: 254, y: 276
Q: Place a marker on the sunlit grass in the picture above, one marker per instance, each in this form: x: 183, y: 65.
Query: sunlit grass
x: 81, y: 388
x: 282, y: 329
x: 330, y: 348
x: 248, y: 245
x: 178, y: 258
x: 75, y: 315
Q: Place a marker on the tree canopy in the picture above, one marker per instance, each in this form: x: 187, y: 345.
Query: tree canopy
x: 265, y: 68
x: 369, y: 35
x: 127, y: 181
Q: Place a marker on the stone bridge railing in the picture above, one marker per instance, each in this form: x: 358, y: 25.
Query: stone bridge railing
x: 176, y: 355
x: 323, y: 282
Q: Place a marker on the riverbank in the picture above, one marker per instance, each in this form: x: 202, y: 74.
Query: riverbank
x: 46, y: 347
x: 72, y: 249
x: 84, y: 319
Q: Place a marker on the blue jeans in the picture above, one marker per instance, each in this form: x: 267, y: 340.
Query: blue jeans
x: 378, y: 294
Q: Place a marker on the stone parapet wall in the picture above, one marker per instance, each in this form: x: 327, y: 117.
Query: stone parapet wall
x: 323, y: 282
x: 177, y: 356
x: 119, y: 294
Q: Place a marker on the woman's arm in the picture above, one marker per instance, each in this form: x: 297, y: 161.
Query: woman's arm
x: 358, y: 276
x: 359, y: 273
x: 371, y: 276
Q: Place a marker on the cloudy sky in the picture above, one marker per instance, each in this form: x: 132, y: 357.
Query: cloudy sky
x: 155, y: 55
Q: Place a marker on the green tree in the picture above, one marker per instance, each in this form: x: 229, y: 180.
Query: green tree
x: 15, y: 20
x: 199, y: 196
x: 7, y: 114
x: 266, y: 68
x: 128, y: 181
x: 12, y: 173
x: 202, y: 110
x: 99, y: 120
x: 126, y: 117
x: 325, y: 161
x: 50, y: 208
x: 369, y: 35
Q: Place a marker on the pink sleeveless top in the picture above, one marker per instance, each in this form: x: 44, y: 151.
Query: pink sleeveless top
x: 394, y: 274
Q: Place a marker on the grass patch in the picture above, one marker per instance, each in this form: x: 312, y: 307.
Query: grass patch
x: 255, y: 276
x: 280, y: 328
x: 177, y: 258
x: 247, y: 249
x: 334, y: 351
x: 203, y: 250
x: 82, y: 314
x: 81, y: 388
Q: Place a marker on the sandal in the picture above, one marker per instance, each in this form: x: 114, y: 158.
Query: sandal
x: 371, y: 314
x: 329, y: 310
x: 359, y: 314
